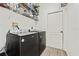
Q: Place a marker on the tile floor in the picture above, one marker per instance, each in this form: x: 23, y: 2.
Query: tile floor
x: 49, y: 51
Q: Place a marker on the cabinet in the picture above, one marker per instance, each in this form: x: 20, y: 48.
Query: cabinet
x: 25, y: 45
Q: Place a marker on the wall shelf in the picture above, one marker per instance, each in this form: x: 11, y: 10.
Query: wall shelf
x: 22, y: 9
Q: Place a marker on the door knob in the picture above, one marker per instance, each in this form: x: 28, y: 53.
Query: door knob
x: 22, y: 40
x: 61, y: 31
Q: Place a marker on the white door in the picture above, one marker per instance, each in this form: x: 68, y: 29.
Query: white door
x: 55, y: 30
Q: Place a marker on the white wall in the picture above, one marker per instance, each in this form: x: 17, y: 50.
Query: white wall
x: 71, y: 29
x: 6, y: 19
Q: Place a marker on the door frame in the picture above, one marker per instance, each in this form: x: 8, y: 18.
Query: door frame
x: 62, y: 25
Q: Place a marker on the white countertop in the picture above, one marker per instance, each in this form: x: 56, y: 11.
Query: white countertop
x: 27, y: 33
x: 22, y: 33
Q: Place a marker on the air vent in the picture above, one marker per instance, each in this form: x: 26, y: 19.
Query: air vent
x: 63, y: 4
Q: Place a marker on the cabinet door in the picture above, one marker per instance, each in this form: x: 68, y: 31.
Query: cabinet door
x: 12, y: 44
x: 42, y: 38
x: 29, y: 45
